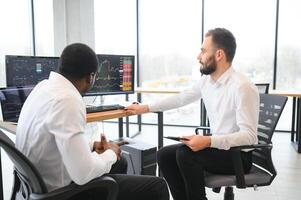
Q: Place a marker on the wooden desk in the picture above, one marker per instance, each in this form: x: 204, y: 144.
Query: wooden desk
x: 99, y: 116
x: 112, y: 114
x: 296, y: 116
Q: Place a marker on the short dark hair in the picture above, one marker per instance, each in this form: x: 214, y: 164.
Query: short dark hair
x: 225, y: 40
x: 77, y: 60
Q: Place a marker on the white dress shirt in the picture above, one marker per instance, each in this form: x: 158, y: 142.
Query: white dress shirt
x: 232, y: 104
x: 50, y: 133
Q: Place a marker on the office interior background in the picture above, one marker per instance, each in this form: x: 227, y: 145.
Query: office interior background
x: 165, y: 36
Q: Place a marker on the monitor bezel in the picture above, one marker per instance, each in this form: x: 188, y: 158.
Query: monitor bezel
x: 100, y: 93
x: 14, y: 88
x: 24, y: 56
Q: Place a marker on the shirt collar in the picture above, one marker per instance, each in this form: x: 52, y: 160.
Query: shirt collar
x: 62, y: 80
x: 225, y: 76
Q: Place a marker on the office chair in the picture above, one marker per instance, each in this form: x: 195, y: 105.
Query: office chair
x: 263, y: 88
x: 263, y: 171
x: 28, y: 183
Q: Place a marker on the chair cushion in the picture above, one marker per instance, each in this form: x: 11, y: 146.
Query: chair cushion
x: 256, y: 176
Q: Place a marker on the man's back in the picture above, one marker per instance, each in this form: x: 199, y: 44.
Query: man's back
x: 36, y: 129
x: 51, y: 127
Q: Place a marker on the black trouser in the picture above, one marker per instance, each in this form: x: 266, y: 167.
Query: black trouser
x: 131, y: 187
x: 184, y: 169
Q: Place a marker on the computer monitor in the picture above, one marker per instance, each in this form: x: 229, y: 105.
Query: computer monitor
x: 12, y: 100
x: 115, y: 75
x: 28, y: 70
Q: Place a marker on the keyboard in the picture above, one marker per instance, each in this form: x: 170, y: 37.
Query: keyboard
x: 102, y: 108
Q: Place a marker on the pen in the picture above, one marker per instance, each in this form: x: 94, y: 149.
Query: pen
x: 103, y: 128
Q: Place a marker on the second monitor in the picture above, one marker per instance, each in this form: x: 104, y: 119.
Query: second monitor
x: 115, y: 75
x: 28, y: 70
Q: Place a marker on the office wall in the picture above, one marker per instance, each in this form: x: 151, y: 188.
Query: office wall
x: 115, y: 26
x: 44, y: 25
x: 73, y: 22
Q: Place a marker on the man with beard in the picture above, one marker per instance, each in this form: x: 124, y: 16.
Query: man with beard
x: 232, y: 103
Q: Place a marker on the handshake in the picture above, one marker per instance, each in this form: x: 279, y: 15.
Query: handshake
x: 104, y: 145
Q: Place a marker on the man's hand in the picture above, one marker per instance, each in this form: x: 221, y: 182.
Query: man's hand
x: 103, y: 145
x: 197, y: 142
x: 136, y: 109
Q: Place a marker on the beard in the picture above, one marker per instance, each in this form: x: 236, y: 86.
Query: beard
x: 209, y: 67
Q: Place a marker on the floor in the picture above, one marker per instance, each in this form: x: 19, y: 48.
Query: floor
x: 286, y: 185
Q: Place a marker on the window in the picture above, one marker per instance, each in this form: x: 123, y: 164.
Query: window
x: 16, y: 38
x: 289, y: 46
x: 115, y: 33
x: 253, y: 26
x: 288, y: 58
x: 170, y: 37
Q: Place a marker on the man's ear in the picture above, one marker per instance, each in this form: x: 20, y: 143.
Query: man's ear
x: 89, y: 79
x: 219, y: 54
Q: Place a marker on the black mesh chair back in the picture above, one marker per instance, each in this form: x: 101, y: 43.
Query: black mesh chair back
x: 271, y: 107
x: 263, y: 171
x: 28, y: 183
x: 31, y: 180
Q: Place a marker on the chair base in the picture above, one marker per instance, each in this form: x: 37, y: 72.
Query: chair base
x: 229, y: 195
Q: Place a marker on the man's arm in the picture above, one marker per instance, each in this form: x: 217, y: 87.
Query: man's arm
x: 197, y: 142
x: 103, y: 145
x: 173, y: 101
x: 82, y: 164
x: 67, y: 125
x: 136, y: 109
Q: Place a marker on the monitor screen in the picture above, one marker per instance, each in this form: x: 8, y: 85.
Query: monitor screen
x: 115, y: 75
x: 12, y: 100
x: 28, y: 70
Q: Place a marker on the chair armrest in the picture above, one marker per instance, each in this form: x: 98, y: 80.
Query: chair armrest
x: 73, y: 189
x: 254, y: 146
x: 201, y: 128
x: 238, y: 168
x: 237, y: 162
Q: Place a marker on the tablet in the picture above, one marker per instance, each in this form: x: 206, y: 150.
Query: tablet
x: 176, y: 138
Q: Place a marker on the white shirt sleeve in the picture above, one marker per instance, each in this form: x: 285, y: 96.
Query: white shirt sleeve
x: 247, y: 113
x: 67, y: 126
x: 82, y: 164
x: 178, y: 100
